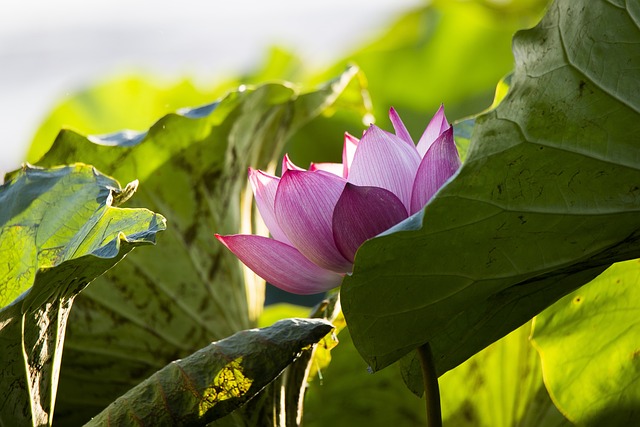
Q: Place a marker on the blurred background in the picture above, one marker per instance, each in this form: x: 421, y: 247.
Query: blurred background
x: 49, y: 50
x: 139, y: 52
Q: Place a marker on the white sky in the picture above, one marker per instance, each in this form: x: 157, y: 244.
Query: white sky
x: 51, y: 48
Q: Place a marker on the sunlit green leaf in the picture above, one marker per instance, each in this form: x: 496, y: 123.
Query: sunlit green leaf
x: 547, y: 198
x: 59, y: 229
x: 500, y: 386
x: 215, y: 380
x: 589, y: 343
x: 192, y: 166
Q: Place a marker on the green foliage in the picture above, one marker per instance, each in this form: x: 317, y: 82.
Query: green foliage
x: 588, y: 343
x: 544, y: 202
x: 215, y: 380
x: 133, y: 102
x: 328, y: 309
x: 451, y: 51
x: 161, y: 306
x: 345, y: 394
x: 59, y: 229
x: 274, y: 312
x: 500, y: 386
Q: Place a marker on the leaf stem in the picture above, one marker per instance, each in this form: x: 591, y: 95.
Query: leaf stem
x: 431, y: 389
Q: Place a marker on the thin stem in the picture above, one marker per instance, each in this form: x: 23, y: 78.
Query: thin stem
x: 431, y: 389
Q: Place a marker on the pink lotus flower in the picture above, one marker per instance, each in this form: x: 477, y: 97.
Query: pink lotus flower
x: 319, y: 217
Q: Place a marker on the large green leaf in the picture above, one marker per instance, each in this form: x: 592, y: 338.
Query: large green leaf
x: 589, y: 346
x: 215, y: 380
x: 163, y: 306
x: 547, y: 198
x: 59, y: 229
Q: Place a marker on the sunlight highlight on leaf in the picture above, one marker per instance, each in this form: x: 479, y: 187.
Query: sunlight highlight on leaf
x: 229, y: 383
x: 589, y: 345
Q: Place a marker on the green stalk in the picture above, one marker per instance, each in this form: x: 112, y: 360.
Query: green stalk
x: 431, y: 389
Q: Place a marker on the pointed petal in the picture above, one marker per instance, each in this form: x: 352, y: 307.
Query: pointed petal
x: 399, y: 127
x: 287, y: 164
x: 349, y: 149
x: 280, y: 264
x: 436, y: 126
x: 439, y: 164
x: 334, y: 168
x: 362, y: 213
x: 384, y: 160
x: 304, y: 208
x: 264, y: 190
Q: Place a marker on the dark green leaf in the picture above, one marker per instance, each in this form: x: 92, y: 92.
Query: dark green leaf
x: 58, y: 231
x: 589, y: 343
x: 162, y: 306
x: 547, y: 198
x: 216, y: 379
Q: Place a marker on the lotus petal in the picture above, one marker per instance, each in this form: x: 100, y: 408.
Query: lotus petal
x: 320, y: 217
x: 436, y: 126
x: 304, y: 208
x: 362, y: 213
x: 384, y: 160
x: 399, y: 127
x: 334, y: 168
x: 348, y: 150
x: 287, y: 164
x: 280, y: 264
x: 438, y: 165
x: 264, y: 190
